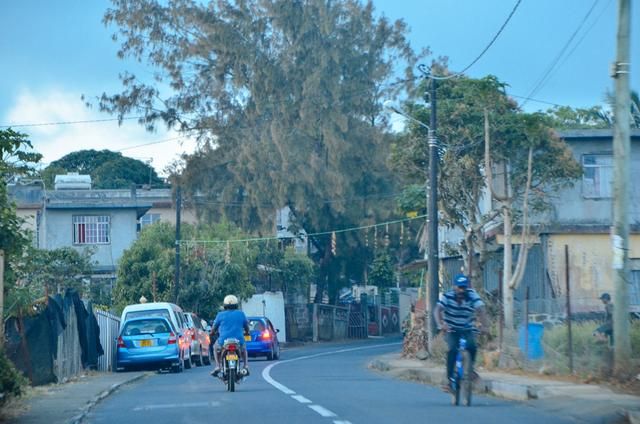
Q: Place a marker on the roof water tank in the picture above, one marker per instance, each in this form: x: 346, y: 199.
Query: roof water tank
x: 72, y: 181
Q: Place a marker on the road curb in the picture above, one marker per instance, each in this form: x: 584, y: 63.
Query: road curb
x: 511, y: 391
x: 85, y: 411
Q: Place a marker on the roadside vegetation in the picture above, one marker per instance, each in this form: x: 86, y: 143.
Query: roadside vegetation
x: 12, y: 382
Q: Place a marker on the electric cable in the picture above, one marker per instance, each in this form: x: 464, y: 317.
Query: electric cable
x: 495, y: 37
x: 544, y: 78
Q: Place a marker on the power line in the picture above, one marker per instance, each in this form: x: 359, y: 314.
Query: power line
x: 327, y: 201
x: 323, y: 233
x: 495, y: 37
x: 88, y: 121
x: 542, y: 80
x: 149, y: 144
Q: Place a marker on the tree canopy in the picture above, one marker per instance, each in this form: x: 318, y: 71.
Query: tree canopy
x: 209, y: 271
x: 285, y: 98
x: 108, y: 169
x: 470, y: 113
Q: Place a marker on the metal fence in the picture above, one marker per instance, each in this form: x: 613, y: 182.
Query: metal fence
x: 109, y: 328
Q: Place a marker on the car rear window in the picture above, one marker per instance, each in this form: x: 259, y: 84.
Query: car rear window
x: 196, y: 322
x: 145, y: 326
x: 164, y: 313
x: 256, y: 325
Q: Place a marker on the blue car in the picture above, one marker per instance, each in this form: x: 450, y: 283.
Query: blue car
x: 149, y: 342
x: 262, y: 339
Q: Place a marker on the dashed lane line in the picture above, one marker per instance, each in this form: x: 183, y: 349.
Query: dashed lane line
x: 177, y: 405
x: 324, y: 412
x: 301, y: 399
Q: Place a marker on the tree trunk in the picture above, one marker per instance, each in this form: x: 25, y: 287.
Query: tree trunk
x: 507, y: 269
x: 323, y: 276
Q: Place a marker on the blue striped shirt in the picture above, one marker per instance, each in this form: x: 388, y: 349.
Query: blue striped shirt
x: 460, y: 316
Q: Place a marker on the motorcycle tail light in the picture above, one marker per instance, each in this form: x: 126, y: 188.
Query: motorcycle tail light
x: 231, y: 348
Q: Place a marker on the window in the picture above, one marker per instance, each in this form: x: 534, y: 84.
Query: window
x: 148, y: 219
x: 91, y: 229
x: 598, y: 176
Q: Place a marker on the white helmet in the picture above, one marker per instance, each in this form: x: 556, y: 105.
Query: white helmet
x: 230, y: 300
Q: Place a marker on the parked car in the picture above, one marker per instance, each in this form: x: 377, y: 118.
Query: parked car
x: 262, y: 339
x: 172, y: 313
x: 199, y: 340
x: 149, y: 342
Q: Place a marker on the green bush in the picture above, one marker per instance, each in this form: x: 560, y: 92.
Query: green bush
x: 11, y: 380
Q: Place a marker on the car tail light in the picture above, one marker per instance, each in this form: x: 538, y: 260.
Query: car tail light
x: 266, y: 335
x: 231, y: 348
x: 193, y: 335
x: 120, y: 342
x: 172, y: 339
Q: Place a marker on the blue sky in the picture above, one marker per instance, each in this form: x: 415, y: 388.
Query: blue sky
x: 55, y: 51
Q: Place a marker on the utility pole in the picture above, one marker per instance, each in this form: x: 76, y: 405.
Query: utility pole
x: 621, y: 173
x: 432, y: 214
x: 176, y: 282
x: 1, y: 299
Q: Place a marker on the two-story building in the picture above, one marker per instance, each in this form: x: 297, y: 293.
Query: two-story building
x: 106, y: 222
x: 582, y: 217
x: 573, y: 239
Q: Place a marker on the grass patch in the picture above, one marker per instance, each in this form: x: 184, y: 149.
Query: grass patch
x: 592, y: 356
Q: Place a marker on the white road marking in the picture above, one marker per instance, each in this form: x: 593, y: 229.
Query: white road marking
x: 284, y: 389
x: 177, y: 405
x: 322, y: 411
x: 301, y: 399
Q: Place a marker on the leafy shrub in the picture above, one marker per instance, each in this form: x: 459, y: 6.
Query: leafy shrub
x: 11, y: 380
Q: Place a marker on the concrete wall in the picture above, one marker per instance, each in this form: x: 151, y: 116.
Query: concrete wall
x: 572, y: 207
x: 590, y: 272
x: 272, y: 308
x: 59, y: 233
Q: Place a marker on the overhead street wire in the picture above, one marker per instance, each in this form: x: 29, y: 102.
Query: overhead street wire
x: 87, y: 121
x: 322, y: 233
x: 495, y: 37
x: 544, y: 78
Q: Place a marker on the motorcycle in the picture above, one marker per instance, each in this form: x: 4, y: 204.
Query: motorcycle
x: 231, y: 372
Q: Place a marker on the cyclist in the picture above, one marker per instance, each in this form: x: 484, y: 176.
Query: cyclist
x: 230, y: 324
x: 455, y: 315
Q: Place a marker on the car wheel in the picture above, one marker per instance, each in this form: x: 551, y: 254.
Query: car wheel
x: 187, y: 360
x: 207, y: 358
x: 177, y: 368
x: 276, y: 352
x: 199, y: 361
x: 270, y: 355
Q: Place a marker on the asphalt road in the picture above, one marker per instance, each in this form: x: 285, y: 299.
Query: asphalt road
x: 312, y: 384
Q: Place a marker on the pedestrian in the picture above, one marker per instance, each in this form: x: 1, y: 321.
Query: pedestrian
x: 606, y: 329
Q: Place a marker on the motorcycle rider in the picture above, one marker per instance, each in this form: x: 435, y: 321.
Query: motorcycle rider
x: 230, y: 324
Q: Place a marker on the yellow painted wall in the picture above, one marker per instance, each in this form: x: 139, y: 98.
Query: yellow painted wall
x: 590, y: 271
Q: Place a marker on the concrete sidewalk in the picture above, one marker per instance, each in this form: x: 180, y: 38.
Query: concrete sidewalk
x: 572, y: 399
x: 65, y: 403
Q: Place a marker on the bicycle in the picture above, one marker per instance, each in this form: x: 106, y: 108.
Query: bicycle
x: 462, y: 381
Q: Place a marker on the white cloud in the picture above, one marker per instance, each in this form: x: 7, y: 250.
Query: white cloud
x: 55, y: 141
